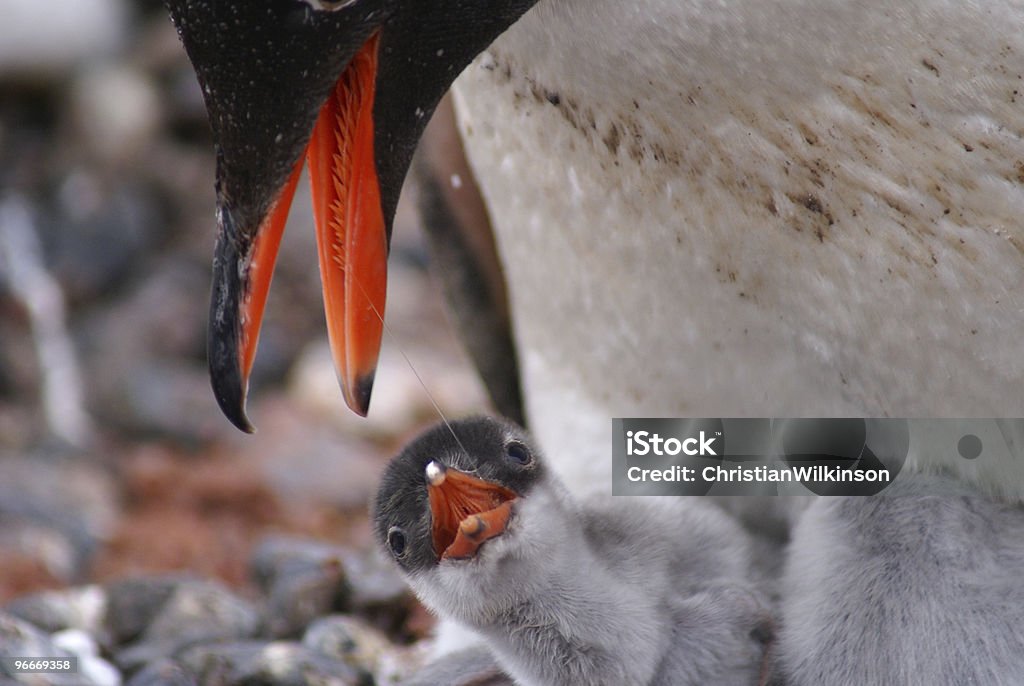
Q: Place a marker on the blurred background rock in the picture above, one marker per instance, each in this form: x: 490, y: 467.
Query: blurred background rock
x: 115, y: 461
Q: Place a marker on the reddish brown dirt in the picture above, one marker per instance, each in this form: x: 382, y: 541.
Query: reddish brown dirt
x: 203, y: 514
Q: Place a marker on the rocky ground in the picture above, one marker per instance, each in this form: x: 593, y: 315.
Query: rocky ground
x: 138, y: 530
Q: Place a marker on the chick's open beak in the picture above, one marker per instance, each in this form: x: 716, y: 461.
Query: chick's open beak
x: 466, y: 511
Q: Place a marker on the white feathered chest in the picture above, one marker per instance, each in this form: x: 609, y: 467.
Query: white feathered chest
x: 757, y: 208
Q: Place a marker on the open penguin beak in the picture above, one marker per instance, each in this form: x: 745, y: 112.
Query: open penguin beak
x: 352, y: 243
x: 287, y: 86
x: 346, y: 89
x: 466, y: 511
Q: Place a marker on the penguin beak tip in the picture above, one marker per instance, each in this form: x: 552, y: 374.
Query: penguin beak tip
x: 229, y: 388
x: 435, y: 473
x: 359, y: 392
x: 232, y: 404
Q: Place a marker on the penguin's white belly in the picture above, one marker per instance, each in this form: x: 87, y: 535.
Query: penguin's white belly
x: 771, y: 209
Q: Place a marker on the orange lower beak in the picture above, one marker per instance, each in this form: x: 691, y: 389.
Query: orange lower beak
x: 466, y: 511
x: 350, y: 230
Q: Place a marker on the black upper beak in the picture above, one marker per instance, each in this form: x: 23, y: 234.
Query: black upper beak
x: 268, y: 70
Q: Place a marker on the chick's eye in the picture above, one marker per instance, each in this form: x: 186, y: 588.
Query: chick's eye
x: 396, y: 540
x: 519, y: 454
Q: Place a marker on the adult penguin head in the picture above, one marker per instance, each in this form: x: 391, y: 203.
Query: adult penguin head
x: 347, y: 88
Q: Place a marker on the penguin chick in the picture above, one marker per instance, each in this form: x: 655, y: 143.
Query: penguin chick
x: 617, y: 591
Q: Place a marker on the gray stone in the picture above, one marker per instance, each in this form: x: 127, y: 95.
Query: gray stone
x: 82, y: 608
x: 373, y: 580
x: 195, y: 613
x: 163, y: 672
x: 133, y: 603
x: 90, y: 665
x: 356, y: 643
x: 72, y: 496
x: 279, y: 556
x: 206, y: 610
x: 303, y: 579
x: 44, y: 551
x: 139, y: 356
x: 95, y: 232
x: 20, y: 639
x: 279, y: 663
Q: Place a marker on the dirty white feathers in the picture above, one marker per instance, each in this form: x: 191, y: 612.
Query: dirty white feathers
x: 757, y: 208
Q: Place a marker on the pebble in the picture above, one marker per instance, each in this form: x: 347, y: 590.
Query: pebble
x: 164, y: 672
x: 90, y: 664
x: 96, y: 232
x: 197, y: 612
x: 54, y: 513
x: 175, y: 630
x: 20, y: 639
x: 139, y: 356
x: 72, y: 495
x: 302, y: 578
x: 280, y: 663
x: 203, y: 610
x: 133, y: 603
x: 374, y: 582
x: 365, y: 580
x: 82, y: 607
x: 353, y: 641
x: 36, y: 554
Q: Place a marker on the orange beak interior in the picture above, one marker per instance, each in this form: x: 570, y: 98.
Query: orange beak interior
x: 350, y: 230
x: 466, y: 512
